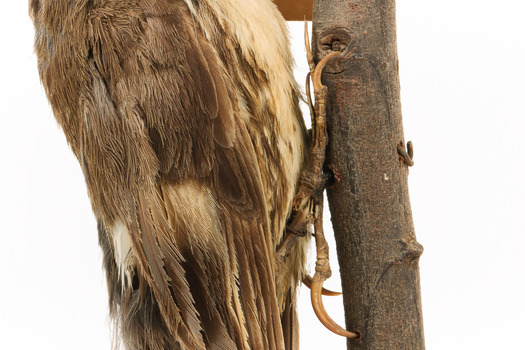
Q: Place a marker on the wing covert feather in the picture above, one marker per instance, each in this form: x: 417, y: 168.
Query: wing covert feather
x: 155, y: 116
x: 175, y: 82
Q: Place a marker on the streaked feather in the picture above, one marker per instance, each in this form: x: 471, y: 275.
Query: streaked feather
x: 184, y: 117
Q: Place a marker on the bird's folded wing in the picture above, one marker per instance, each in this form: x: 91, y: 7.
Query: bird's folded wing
x: 198, y: 224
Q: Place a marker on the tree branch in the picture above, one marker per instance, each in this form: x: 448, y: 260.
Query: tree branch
x: 371, y: 215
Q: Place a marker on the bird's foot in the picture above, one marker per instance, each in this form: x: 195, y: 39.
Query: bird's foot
x: 322, y: 273
x: 308, y: 280
x: 308, y: 203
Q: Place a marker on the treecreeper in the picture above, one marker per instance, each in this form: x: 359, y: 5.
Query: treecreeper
x: 184, y: 116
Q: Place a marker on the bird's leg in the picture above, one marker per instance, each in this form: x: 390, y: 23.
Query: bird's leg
x: 308, y: 203
x: 312, y: 181
x: 320, y: 140
x: 322, y: 273
x: 298, y: 228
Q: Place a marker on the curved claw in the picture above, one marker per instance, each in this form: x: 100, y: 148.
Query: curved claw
x: 309, y: 95
x: 316, y: 75
x: 322, y: 315
x: 307, y: 281
x: 309, y: 55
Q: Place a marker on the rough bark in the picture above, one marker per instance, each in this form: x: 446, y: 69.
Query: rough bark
x: 369, y: 202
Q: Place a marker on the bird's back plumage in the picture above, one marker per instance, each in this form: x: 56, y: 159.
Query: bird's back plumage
x: 184, y: 117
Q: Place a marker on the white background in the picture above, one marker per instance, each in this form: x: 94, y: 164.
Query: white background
x: 462, y: 78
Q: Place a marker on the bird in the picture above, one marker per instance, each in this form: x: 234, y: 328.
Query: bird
x: 184, y: 117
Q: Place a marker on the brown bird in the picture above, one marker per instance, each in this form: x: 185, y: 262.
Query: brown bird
x: 184, y: 117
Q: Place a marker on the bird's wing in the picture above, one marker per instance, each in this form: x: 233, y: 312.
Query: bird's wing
x: 192, y: 198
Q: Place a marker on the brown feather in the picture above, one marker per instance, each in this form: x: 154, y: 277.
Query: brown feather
x: 184, y: 117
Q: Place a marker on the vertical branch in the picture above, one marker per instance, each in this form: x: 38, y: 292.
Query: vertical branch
x: 369, y: 203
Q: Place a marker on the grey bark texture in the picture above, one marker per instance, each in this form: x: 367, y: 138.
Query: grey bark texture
x: 376, y: 244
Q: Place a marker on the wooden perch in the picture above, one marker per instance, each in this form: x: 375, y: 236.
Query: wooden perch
x: 295, y: 10
x: 369, y: 202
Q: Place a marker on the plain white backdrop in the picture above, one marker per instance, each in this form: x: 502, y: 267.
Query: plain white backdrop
x: 463, y: 97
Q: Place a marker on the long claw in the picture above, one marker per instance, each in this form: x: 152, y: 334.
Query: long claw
x: 309, y: 95
x: 309, y: 55
x: 316, y: 75
x: 307, y: 281
x: 322, y: 315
